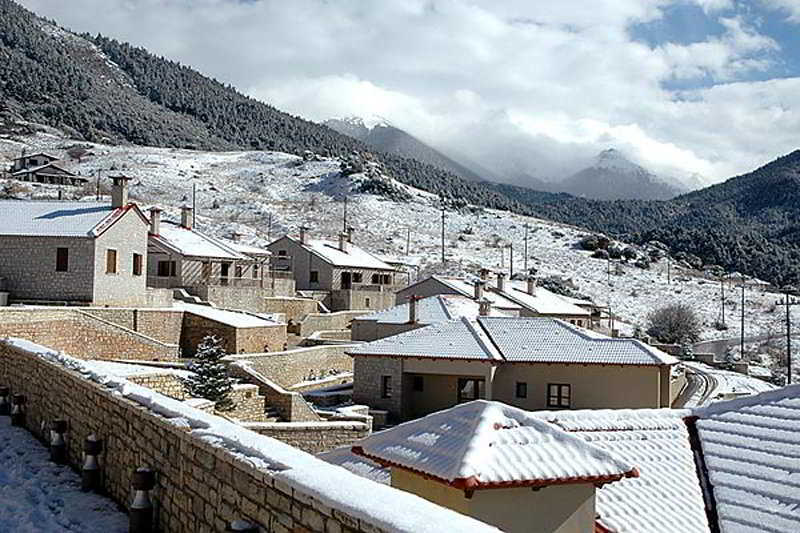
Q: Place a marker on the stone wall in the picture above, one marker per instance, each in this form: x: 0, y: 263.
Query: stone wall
x: 294, y: 366
x: 160, y: 324
x: 293, y: 308
x: 86, y: 336
x: 167, y: 384
x: 314, y: 437
x: 127, y: 236
x: 328, y: 321
x: 234, y: 340
x: 371, y: 300
x: 291, y: 406
x: 371, y: 330
x: 251, y: 299
x: 248, y: 404
x: 202, y: 487
x: 367, y: 383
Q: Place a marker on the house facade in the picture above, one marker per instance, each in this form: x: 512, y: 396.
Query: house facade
x: 531, y: 363
x: 76, y: 252
x: 341, y: 274
x: 43, y: 168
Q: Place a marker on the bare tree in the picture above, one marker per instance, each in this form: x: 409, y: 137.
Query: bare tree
x: 674, y: 324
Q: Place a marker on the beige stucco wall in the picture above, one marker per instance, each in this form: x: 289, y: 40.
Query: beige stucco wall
x: 371, y: 330
x: 423, y: 289
x: 593, y: 386
x: 127, y: 236
x: 554, y: 509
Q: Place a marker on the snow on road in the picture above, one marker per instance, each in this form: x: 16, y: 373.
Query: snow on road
x: 37, y: 496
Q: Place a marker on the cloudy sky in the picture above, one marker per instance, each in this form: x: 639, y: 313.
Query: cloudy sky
x: 521, y: 86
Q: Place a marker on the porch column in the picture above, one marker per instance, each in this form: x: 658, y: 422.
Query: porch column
x: 490, y: 382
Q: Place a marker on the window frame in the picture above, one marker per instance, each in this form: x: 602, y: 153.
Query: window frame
x: 62, y: 261
x: 386, y: 387
x: 138, y: 264
x: 358, y: 277
x: 521, y: 390
x: 479, y: 385
x: 171, y: 269
x: 112, y: 252
x: 556, y: 400
x: 313, y: 276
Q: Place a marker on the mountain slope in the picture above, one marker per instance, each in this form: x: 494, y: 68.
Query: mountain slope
x: 386, y: 138
x: 613, y: 177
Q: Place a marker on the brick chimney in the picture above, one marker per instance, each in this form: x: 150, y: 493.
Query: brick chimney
x: 344, y: 242
x: 532, y: 285
x: 501, y: 282
x: 413, y: 309
x: 484, y: 307
x: 303, y: 234
x: 119, y: 191
x: 155, y: 220
x: 186, y: 216
x: 479, y: 289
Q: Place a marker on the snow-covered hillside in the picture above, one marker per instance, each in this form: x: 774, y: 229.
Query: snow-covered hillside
x: 244, y: 191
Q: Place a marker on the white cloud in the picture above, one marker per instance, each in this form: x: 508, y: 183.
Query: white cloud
x: 521, y: 87
x: 790, y: 7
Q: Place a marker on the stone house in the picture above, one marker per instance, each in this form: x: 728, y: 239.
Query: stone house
x: 518, y: 298
x: 341, y: 274
x: 531, y: 363
x: 500, y: 465
x: 226, y: 273
x: 26, y: 161
x: 42, y: 168
x: 76, y: 252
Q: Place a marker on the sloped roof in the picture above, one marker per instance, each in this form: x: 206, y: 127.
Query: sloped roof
x: 467, y: 288
x: 483, y: 444
x: 357, y: 464
x: 430, y: 310
x: 667, y: 495
x: 247, y: 249
x: 354, y: 257
x: 514, y: 339
x: 751, y: 448
x: 26, y: 156
x: 43, y: 167
x: 542, y: 301
x: 55, y: 219
x: 230, y: 318
x: 193, y: 243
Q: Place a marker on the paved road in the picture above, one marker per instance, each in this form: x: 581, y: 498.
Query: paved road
x: 720, y: 346
x: 699, y: 388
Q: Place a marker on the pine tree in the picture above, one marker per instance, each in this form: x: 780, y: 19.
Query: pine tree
x: 210, y: 379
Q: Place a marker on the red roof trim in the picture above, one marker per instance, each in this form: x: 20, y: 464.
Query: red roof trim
x: 487, y: 360
x: 470, y: 484
x: 600, y: 528
x: 115, y: 216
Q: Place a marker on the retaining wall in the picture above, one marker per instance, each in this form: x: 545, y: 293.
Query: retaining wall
x: 314, y: 437
x: 294, y: 308
x: 202, y: 487
x: 295, y: 366
x: 327, y: 321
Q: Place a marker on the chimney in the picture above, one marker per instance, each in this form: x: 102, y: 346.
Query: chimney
x: 484, y: 273
x: 155, y: 220
x: 344, y: 243
x: 350, y: 230
x: 412, y: 309
x: 532, y: 285
x: 236, y: 236
x: 303, y: 235
x: 484, y: 307
x: 119, y: 191
x: 501, y: 282
x: 479, y: 290
x: 186, y: 216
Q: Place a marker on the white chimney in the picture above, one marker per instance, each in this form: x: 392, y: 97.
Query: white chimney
x: 484, y: 307
x: 501, y: 282
x: 155, y: 220
x: 532, y: 285
x: 484, y: 273
x: 236, y: 236
x: 344, y: 243
x: 303, y: 235
x: 350, y: 233
x: 479, y: 290
x: 119, y: 191
x: 186, y: 216
x: 412, y: 309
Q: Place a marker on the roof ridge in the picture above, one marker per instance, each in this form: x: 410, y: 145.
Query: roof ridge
x: 491, y: 347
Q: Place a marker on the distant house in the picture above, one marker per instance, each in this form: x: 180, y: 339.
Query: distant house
x: 87, y: 252
x: 342, y: 274
x: 227, y: 273
x: 417, y: 313
x: 532, y: 363
x: 524, y: 299
x: 501, y: 465
x: 50, y: 174
x: 30, y: 161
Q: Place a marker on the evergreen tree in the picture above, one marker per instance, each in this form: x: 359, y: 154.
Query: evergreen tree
x: 210, y: 379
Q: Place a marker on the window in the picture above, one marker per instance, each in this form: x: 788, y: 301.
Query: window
x: 522, y: 389
x: 255, y: 271
x: 62, y: 259
x: 386, y: 386
x: 111, y: 261
x: 357, y: 277
x: 559, y: 395
x: 238, y: 271
x: 137, y: 264
x: 376, y: 279
x: 313, y: 277
x: 418, y: 383
x: 166, y: 269
x: 282, y: 253
x: 470, y: 389
x: 224, y: 269
x: 386, y: 279
x: 366, y: 303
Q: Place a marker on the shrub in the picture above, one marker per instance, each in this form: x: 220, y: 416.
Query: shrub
x: 674, y: 324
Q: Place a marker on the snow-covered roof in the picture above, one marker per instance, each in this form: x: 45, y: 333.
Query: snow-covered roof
x: 542, y: 301
x: 513, y: 339
x: 483, y: 444
x: 667, y: 495
x: 467, y: 288
x: 354, y: 257
x: 357, y: 464
x: 193, y: 243
x: 231, y: 318
x: 27, y: 156
x: 430, y: 310
x: 42, y: 167
x: 132, y: 369
x: 55, y: 219
x: 751, y: 449
x: 247, y: 249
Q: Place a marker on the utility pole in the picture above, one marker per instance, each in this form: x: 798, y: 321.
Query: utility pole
x: 344, y: 217
x: 669, y: 270
x: 269, y: 227
x: 408, y: 240
x: 511, y: 261
x: 97, y: 186
x: 722, y: 285
x: 788, y: 304
x: 526, y: 249
x: 608, y: 270
x: 194, y: 205
x: 443, y: 215
x: 741, y: 349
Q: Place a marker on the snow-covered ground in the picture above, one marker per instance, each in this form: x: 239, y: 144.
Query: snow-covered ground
x: 264, y: 195
x: 37, y: 496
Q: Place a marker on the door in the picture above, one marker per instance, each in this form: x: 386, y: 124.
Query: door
x: 347, y: 280
x: 224, y: 272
